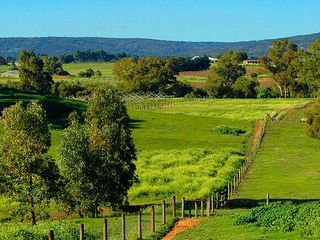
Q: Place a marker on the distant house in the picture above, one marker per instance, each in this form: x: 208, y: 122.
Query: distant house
x: 251, y: 62
x: 210, y: 58
x: 213, y: 59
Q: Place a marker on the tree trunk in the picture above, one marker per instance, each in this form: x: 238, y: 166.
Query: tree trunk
x: 33, y: 214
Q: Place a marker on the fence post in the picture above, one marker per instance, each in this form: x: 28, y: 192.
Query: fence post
x: 195, y: 209
x: 139, y: 224
x: 81, y: 231
x: 173, y: 207
x: 182, y: 207
x: 268, y: 199
x: 153, y: 222
x: 123, y: 227
x: 202, y: 211
x: 229, y: 192
x: 105, y: 229
x: 164, y: 212
x: 51, y: 235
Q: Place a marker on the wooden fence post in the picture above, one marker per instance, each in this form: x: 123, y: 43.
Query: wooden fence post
x: 195, y: 209
x: 153, y: 220
x: 51, y: 235
x: 164, y: 212
x: 139, y: 224
x: 81, y: 231
x: 182, y: 207
x: 201, y: 208
x: 105, y: 229
x: 173, y: 207
x: 123, y: 227
x: 268, y: 199
x: 229, y: 192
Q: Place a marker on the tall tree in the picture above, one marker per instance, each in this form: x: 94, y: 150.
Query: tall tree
x: 150, y: 74
x: 29, y: 175
x: 53, y: 66
x: 225, y: 73
x: 32, y: 74
x: 97, y: 156
x: 280, y: 63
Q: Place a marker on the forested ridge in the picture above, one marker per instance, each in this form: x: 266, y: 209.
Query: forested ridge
x: 138, y: 46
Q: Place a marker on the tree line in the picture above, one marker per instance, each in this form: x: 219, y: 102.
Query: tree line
x: 96, y: 158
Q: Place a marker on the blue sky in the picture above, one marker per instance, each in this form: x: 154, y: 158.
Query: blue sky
x: 188, y: 20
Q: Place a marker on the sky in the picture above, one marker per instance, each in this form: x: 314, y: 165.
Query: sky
x: 182, y: 20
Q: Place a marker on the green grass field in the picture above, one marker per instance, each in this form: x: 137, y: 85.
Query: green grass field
x: 287, y: 164
x: 74, y: 68
x: 178, y: 152
x: 223, y: 226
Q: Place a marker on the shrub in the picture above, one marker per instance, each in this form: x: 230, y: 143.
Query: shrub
x: 304, y: 218
x: 226, y: 130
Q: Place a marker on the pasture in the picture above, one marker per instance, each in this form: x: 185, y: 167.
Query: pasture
x: 74, y: 68
x: 286, y: 165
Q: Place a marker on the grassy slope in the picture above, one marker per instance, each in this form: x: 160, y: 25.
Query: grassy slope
x: 287, y: 164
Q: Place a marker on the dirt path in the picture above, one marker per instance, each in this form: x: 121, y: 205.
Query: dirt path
x: 181, y: 226
x: 257, y: 131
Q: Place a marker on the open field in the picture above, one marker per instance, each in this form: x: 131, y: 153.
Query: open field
x: 286, y: 166
x: 75, y: 68
x: 178, y: 152
x: 4, y: 68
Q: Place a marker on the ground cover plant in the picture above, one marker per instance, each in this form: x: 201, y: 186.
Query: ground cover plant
x: 301, y: 218
x: 223, y: 225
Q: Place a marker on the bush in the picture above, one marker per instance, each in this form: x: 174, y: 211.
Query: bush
x: 304, y: 218
x: 226, y: 130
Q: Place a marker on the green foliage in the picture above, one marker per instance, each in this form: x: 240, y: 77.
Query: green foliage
x: 150, y: 74
x: 28, y: 175
x: 32, y: 72
x: 281, y: 64
x: 191, y: 64
x: 245, y: 87
x: 223, y: 129
x: 224, y: 74
x: 304, y: 218
x: 87, y: 73
x: 97, y: 156
x: 313, y: 120
x: 53, y: 66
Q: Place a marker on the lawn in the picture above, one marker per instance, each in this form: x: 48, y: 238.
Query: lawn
x: 287, y: 166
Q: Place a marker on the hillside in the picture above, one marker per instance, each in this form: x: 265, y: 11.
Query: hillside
x: 138, y: 46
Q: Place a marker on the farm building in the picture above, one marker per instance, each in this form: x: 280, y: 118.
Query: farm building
x: 251, y: 62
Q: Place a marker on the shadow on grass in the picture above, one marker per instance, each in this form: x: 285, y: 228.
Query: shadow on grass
x: 135, y: 123
x: 252, y: 203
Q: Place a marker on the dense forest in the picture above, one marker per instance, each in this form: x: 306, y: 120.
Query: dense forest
x: 56, y: 46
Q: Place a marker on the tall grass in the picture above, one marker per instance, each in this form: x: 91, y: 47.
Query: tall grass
x: 192, y: 173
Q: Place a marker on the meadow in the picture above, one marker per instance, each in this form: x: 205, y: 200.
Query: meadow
x: 75, y: 68
x: 286, y: 165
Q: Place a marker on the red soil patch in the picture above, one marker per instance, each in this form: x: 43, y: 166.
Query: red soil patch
x: 181, y: 226
x: 266, y: 82
x: 257, y: 131
x: 195, y: 73
x: 199, y: 84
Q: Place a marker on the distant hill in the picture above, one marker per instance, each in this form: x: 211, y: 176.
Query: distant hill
x: 138, y: 46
